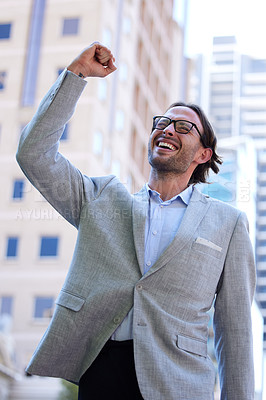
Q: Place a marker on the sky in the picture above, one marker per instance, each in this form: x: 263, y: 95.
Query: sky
x: 245, y: 19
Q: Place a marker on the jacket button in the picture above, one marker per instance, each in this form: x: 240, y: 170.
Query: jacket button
x: 142, y: 323
x: 139, y: 287
x: 116, y: 320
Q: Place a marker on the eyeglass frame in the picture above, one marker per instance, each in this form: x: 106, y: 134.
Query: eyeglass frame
x: 193, y: 125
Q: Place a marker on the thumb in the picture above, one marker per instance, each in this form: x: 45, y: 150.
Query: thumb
x: 110, y: 67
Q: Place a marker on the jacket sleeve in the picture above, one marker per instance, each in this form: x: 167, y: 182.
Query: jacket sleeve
x: 232, y: 317
x: 53, y: 175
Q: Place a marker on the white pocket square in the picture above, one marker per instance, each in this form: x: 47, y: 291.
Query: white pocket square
x: 208, y: 243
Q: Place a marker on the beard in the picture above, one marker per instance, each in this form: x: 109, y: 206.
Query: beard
x: 176, y: 164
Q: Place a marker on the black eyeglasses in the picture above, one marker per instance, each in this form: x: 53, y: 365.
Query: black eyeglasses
x: 181, y: 125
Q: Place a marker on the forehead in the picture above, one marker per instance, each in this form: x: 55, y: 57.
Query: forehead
x: 187, y: 113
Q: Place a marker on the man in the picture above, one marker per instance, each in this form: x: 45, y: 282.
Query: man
x: 131, y: 321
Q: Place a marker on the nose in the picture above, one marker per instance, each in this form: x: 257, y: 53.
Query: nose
x: 169, y: 130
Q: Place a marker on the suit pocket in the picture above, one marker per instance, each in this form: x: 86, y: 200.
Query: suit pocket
x: 206, y: 250
x: 192, y: 345
x: 69, y: 300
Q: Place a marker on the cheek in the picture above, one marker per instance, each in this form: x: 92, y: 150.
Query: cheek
x: 152, y: 139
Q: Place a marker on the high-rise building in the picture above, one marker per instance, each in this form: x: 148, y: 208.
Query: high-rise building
x: 253, y: 124
x: 231, y: 87
x: 236, y: 98
x: 108, y: 133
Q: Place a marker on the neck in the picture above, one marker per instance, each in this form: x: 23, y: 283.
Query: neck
x: 167, y: 185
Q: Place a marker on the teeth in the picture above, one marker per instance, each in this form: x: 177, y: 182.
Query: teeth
x: 169, y: 145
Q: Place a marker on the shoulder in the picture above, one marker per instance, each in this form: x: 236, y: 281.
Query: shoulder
x: 222, y: 205
x: 223, y: 211
x: 219, y: 204
x: 109, y: 186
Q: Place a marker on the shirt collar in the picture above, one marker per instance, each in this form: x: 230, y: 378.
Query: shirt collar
x: 184, y: 196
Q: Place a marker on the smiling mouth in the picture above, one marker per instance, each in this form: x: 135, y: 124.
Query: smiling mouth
x: 165, y: 145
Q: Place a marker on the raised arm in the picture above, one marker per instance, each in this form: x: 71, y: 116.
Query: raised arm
x: 53, y: 175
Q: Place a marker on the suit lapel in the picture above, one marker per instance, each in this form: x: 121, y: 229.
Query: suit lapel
x: 139, y: 215
x: 194, y: 214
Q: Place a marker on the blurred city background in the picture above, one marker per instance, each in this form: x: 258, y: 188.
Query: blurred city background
x: 210, y: 52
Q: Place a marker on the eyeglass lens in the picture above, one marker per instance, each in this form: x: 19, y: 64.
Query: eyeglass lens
x: 180, y: 126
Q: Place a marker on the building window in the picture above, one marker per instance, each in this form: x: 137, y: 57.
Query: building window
x: 119, y: 120
x: 123, y: 72
x: 107, y: 37
x: 116, y: 168
x: 43, y: 307
x: 5, y: 30
x: 49, y: 246
x: 18, y: 189
x: 127, y: 25
x: 102, y: 89
x: 261, y: 289
x: 65, y: 133
x: 107, y: 157
x: 12, y: 247
x: 6, y: 305
x: 59, y: 71
x: 2, y: 80
x: 97, y: 143
x: 70, y: 26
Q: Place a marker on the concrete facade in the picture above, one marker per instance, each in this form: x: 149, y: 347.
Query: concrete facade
x: 108, y: 133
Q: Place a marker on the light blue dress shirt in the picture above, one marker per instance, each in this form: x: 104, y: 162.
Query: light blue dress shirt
x: 162, y: 223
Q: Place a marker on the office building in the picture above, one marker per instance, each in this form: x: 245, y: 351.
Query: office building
x: 108, y: 133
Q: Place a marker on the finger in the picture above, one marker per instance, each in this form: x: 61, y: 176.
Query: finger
x: 101, y: 50
x: 112, y: 60
x: 103, y: 59
x: 110, y: 67
x: 103, y: 54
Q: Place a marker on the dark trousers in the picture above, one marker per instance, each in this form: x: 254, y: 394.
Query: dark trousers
x: 112, y: 375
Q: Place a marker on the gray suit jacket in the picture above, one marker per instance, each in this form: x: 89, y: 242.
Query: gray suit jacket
x: 210, y: 259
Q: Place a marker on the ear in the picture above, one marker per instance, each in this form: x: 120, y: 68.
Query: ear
x: 204, y: 156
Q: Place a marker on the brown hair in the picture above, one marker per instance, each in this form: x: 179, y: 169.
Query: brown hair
x: 208, y: 139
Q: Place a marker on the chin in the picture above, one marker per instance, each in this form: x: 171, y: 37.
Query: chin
x: 161, y: 165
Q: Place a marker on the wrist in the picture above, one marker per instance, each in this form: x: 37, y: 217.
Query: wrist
x: 79, y: 74
x: 77, y: 70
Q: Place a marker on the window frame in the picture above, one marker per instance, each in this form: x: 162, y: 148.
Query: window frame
x: 18, y: 192
x: 46, y: 247
x: 9, y: 306
x: 12, y: 248
x: 3, y: 76
x: 8, y: 31
x: 67, y: 29
x: 39, y: 310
